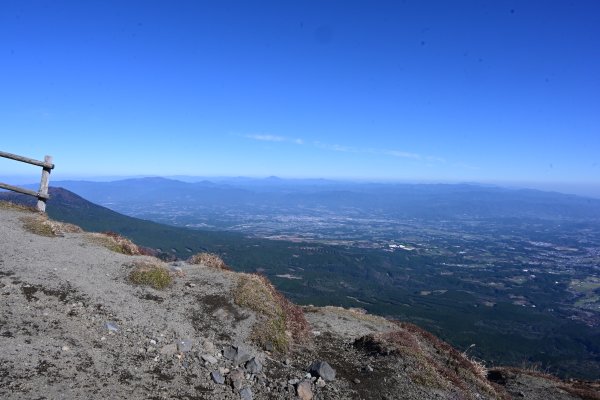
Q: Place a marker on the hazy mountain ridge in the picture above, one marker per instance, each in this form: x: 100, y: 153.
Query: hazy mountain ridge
x: 402, y: 200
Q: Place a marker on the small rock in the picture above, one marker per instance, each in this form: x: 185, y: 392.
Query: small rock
x: 293, y: 381
x: 223, y: 370
x: 152, y: 341
x: 210, y: 359
x: 65, y: 348
x: 217, y: 377
x: 356, y: 380
x: 102, y: 338
x: 184, y: 345
x: 236, y: 354
x: 111, y: 326
x: 169, y: 349
x: 323, y: 370
x: 254, y: 366
x: 236, y: 378
x: 368, y: 368
x: 320, y: 382
x: 304, y: 390
x: 150, y: 349
x: 287, y: 361
x: 246, y: 394
x: 269, y: 346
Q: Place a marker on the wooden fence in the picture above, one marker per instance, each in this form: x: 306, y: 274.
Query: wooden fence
x: 42, y: 194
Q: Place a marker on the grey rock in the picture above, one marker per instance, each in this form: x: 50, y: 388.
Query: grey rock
x: 254, y: 366
x: 229, y: 352
x: 208, y: 358
x: 322, y: 369
x: 236, y: 354
x: 217, y: 377
x: 184, y: 345
x: 246, y: 394
x: 269, y: 346
x: 111, y: 326
x: 320, y: 382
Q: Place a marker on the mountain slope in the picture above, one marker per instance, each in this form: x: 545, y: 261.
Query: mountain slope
x: 388, y: 284
x: 180, y: 242
x: 72, y: 325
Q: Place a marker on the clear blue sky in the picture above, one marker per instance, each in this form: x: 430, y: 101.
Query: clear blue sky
x: 483, y: 90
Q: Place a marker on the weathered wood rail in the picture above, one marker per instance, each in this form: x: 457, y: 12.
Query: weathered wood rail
x: 42, y: 193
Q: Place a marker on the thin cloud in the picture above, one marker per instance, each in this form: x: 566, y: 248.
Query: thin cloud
x: 274, y: 138
x: 266, y: 138
x: 402, y: 154
x: 392, y: 153
x: 349, y: 149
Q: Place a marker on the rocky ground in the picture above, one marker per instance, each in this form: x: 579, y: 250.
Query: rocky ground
x: 73, y: 326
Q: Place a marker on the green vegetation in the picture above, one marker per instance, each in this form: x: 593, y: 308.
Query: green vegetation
x: 41, y: 225
x: 282, y: 322
x: 116, y: 243
x: 9, y: 205
x: 210, y: 260
x: 152, y: 274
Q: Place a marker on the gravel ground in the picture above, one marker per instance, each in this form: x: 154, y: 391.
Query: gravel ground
x: 72, y: 327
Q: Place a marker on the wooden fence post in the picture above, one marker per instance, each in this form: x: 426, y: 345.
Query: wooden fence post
x: 43, y: 192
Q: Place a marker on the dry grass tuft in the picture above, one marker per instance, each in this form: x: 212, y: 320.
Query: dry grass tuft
x: 9, y: 205
x: 150, y: 273
x: 210, y: 260
x: 283, y: 322
x: 41, y: 225
x: 117, y: 243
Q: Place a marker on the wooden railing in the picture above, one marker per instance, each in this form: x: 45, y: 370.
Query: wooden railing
x: 42, y: 194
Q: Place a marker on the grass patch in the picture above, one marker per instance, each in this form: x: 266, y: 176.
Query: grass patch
x: 41, y: 225
x: 117, y: 243
x: 150, y: 273
x: 9, y: 205
x: 282, y: 322
x: 210, y: 260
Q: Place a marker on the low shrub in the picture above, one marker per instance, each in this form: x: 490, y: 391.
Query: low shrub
x: 149, y: 273
x: 41, y: 225
x: 282, y: 321
x: 9, y: 205
x: 117, y: 243
x: 210, y: 260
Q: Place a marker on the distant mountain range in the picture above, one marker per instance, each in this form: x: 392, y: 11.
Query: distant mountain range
x: 421, y: 201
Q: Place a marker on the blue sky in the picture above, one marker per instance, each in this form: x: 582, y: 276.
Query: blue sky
x: 489, y: 91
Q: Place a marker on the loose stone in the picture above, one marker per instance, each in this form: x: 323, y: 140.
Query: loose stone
x: 217, y: 377
x: 323, y: 370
